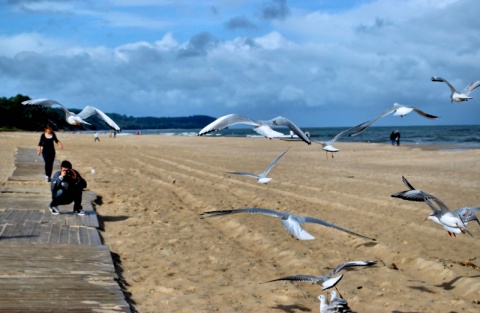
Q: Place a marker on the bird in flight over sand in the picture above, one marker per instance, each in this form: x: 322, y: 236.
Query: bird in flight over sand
x: 325, y: 280
x: 233, y: 119
x: 262, y: 177
x: 451, y: 221
x: 72, y: 118
x: 397, y: 109
x: 291, y: 222
x: 455, y: 95
x: 328, y: 145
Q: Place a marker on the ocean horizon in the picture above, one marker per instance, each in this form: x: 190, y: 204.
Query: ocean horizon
x: 457, y: 135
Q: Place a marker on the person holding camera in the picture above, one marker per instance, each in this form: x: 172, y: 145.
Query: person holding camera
x: 67, y: 187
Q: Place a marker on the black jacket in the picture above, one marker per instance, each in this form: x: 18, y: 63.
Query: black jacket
x: 67, y: 183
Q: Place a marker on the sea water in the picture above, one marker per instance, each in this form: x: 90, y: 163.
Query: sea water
x: 459, y: 135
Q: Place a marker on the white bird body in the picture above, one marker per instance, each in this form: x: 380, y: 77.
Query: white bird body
x: 233, y: 119
x: 466, y: 214
x: 441, y: 215
x: 294, y: 228
x: 267, y: 132
x: 397, y: 110
x: 72, y: 118
x: 262, y: 177
x: 455, y: 95
x: 291, y: 222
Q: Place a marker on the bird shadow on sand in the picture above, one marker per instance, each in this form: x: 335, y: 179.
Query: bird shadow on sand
x: 291, y: 308
x: 367, y: 244
x: 449, y: 284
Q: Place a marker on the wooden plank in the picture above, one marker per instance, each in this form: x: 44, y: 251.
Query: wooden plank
x: 64, y: 234
x: 35, y: 234
x: 94, y: 237
x: 45, y: 231
x: 73, y: 236
x: 54, y: 233
x: 83, y: 236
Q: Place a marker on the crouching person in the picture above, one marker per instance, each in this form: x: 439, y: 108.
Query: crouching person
x: 67, y: 187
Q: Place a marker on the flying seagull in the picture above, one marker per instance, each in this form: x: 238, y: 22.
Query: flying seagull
x: 325, y: 280
x: 72, y: 118
x: 450, y: 220
x: 233, y: 119
x: 397, y: 109
x: 328, y: 145
x: 291, y: 222
x: 455, y: 95
x: 262, y: 177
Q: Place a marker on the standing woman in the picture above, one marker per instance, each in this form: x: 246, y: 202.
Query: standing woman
x: 48, y: 152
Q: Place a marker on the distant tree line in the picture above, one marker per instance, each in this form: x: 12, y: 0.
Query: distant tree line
x: 16, y: 116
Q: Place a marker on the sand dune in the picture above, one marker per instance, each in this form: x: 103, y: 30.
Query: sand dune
x: 154, y: 188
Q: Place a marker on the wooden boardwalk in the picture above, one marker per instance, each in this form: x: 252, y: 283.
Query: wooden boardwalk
x: 52, y: 263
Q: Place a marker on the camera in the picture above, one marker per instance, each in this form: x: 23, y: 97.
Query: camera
x: 69, y: 173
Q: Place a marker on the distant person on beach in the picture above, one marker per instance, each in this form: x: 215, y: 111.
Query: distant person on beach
x: 392, y: 138
x: 96, y: 137
x: 67, y: 187
x: 397, y: 137
x: 47, y: 148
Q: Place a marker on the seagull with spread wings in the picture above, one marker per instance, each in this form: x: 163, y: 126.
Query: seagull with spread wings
x: 233, y: 119
x: 397, y: 110
x: 328, y: 145
x: 262, y: 177
x: 455, y: 95
x: 326, y: 280
x: 291, y: 222
x: 452, y: 221
x: 72, y: 118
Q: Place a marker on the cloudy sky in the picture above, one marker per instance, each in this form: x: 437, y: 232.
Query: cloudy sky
x: 319, y: 63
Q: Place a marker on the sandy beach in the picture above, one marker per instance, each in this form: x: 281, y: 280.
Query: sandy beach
x: 152, y: 190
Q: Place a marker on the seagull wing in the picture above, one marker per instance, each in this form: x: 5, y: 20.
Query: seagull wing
x: 467, y: 214
x: 412, y: 194
x: 89, y: 111
x: 282, y: 121
x: 368, y: 124
x: 308, y: 219
x: 424, y: 114
x: 474, y: 85
x: 46, y: 103
x: 226, y: 121
x: 245, y: 174
x: 405, y: 181
x: 300, y: 278
x: 269, y: 167
x: 267, y: 212
x: 439, y: 79
x: 340, y: 134
x: 352, y: 264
